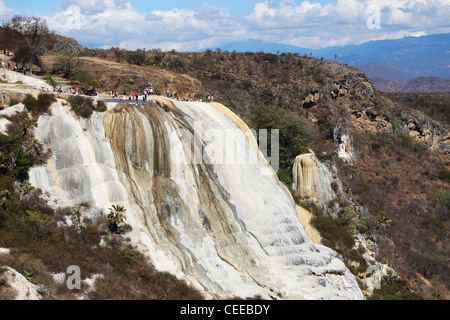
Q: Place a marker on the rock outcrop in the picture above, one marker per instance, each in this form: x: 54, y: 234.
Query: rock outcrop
x: 313, y: 179
x: 14, y: 286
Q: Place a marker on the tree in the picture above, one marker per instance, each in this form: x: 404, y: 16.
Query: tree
x: 119, y: 53
x: 5, y: 196
x: 34, y: 38
x: 25, y: 189
x: 87, y: 83
x: 76, y: 217
x: 34, y: 148
x: 116, y: 218
x: 138, y: 57
x: 66, y: 65
x: 25, y: 125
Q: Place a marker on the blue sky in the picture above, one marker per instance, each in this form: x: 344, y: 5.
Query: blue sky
x: 53, y: 6
x: 195, y: 24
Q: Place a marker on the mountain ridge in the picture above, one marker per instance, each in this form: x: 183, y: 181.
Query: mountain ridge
x: 415, y: 56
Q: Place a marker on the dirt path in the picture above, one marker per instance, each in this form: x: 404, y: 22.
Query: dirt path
x: 122, y: 76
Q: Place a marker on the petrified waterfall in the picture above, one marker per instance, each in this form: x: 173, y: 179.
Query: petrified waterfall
x: 312, y: 179
x: 227, y: 227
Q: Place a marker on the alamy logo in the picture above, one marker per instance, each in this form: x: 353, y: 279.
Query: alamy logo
x: 73, y: 278
x: 374, y: 272
x: 215, y: 146
x: 73, y: 14
x: 374, y: 19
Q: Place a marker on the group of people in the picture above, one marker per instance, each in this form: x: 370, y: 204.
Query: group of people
x: 134, y: 97
x: 8, y: 66
x: 75, y: 90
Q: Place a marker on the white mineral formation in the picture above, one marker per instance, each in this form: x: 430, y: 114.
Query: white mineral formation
x: 197, y: 209
x: 20, y: 78
x: 312, y: 179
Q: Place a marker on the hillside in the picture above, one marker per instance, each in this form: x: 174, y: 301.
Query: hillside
x: 390, y: 156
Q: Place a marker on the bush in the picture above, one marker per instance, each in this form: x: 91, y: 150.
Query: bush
x: 293, y: 137
x: 444, y: 197
x: 334, y: 231
x: 87, y: 83
x: 39, y: 106
x: 444, y: 175
x: 434, y: 223
x: 270, y: 57
x: 23, y: 164
x: 13, y: 159
x: 101, y: 106
x: 82, y: 106
x: 395, y: 290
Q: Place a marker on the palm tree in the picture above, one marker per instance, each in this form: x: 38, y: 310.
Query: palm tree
x: 26, y: 124
x: 116, y: 217
x: 5, y: 195
x: 34, y: 148
x: 76, y: 216
x: 26, y: 188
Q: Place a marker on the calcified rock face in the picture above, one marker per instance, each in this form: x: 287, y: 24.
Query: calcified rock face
x: 304, y: 176
x: 200, y: 210
x: 312, y: 179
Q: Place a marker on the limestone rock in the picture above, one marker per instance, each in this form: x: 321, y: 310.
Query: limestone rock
x: 312, y: 179
x: 14, y: 286
x: 304, y: 176
x: 305, y: 219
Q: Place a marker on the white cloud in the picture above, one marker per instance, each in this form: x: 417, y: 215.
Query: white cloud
x: 301, y: 23
x: 94, y: 5
x: 5, y: 12
x: 309, y: 23
x: 119, y: 22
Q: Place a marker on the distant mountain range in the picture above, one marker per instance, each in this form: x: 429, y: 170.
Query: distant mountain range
x: 422, y: 84
x: 399, y: 60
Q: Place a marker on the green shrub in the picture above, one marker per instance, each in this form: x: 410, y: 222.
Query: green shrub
x: 270, y: 57
x: 86, y: 82
x: 395, y: 290
x: 101, y: 106
x: 39, y: 106
x: 3, y: 270
x: 444, y: 175
x: 13, y: 102
x: 312, y: 207
x: 30, y: 102
x: 13, y: 159
x: 434, y: 223
x: 82, y: 106
x: 334, y: 231
x: 36, y: 224
x: 23, y: 164
x: 444, y: 197
x: 293, y: 137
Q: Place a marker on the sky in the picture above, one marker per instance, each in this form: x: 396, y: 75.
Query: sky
x: 193, y: 25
